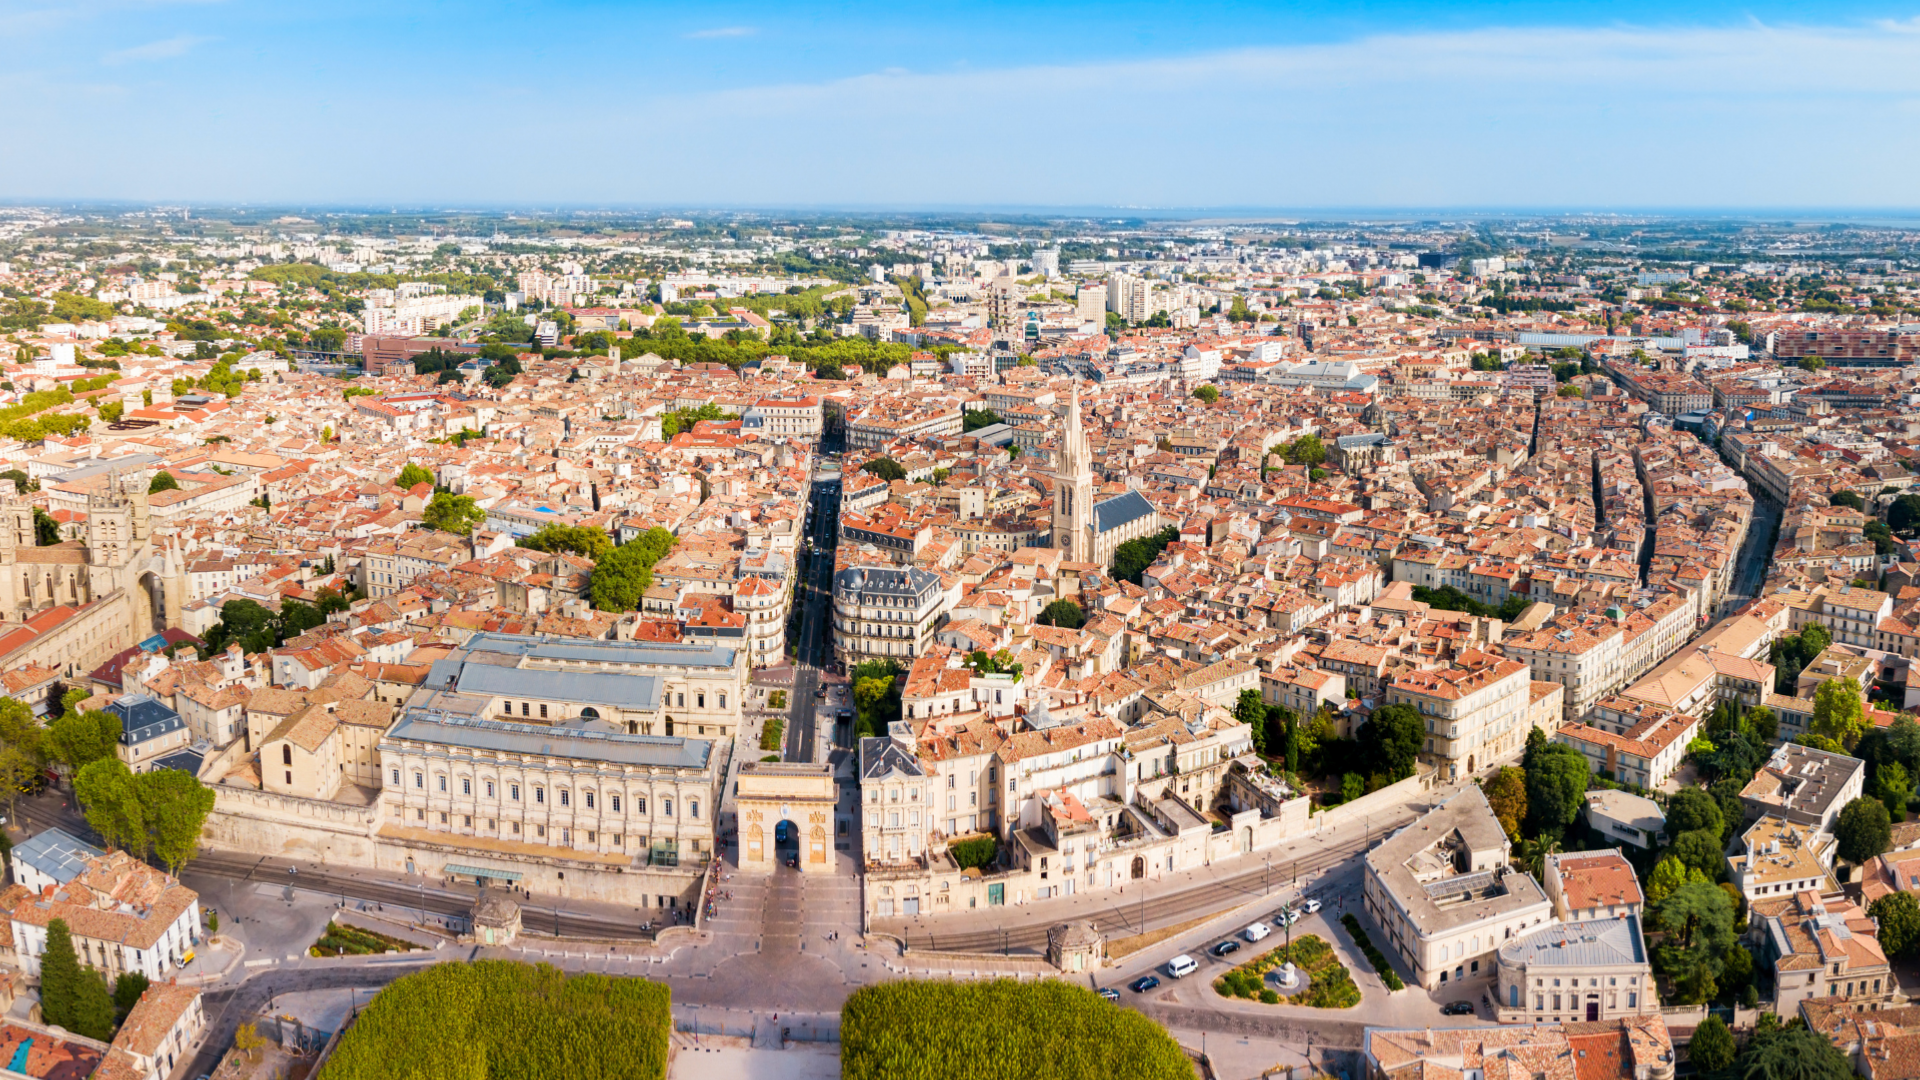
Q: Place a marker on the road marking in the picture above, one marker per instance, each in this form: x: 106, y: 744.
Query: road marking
x: 261, y: 963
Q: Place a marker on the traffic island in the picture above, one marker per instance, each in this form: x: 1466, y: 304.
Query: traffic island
x: 1329, y: 985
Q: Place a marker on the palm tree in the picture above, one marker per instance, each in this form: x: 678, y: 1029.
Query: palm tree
x: 1532, y: 856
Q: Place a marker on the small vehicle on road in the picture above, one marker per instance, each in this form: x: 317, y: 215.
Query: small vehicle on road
x: 1182, y: 966
x: 1109, y: 993
x: 1257, y: 932
x: 1226, y: 947
x: 1144, y: 983
x: 1457, y: 1008
x: 1310, y: 906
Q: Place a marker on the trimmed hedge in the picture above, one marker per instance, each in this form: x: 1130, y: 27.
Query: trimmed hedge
x: 938, y: 1030
x: 501, y: 1019
x: 1373, y: 954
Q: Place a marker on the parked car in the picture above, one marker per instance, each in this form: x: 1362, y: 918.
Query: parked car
x: 1256, y: 932
x: 1182, y: 966
x: 1457, y: 1008
x: 1225, y: 947
x: 1310, y: 906
x: 1109, y: 993
x: 1144, y: 983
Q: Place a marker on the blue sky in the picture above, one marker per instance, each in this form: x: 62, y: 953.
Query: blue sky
x: 1576, y: 105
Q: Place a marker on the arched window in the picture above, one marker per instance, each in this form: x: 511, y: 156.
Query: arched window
x: 286, y: 753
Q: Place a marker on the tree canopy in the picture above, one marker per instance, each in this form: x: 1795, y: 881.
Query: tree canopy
x: 578, y: 539
x: 1062, y: 613
x: 452, y: 513
x: 1557, y: 776
x: 162, y: 481
x: 412, y: 475
x: 1392, y: 737
x: 1506, y: 792
x: 1838, y: 712
x: 622, y: 576
x: 1863, y: 829
x: 885, y: 468
x: 1207, y: 392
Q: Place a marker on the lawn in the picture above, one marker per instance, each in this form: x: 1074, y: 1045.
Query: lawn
x: 341, y: 940
x: 1330, y: 985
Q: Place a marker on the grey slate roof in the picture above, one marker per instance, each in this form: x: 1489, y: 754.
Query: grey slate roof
x: 886, y: 581
x: 640, y: 692
x: 57, y: 854
x: 143, y: 717
x: 1593, y: 943
x: 600, y: 652
x: 420, y: 725
x: 1120, y: 510
x: 879, y: 757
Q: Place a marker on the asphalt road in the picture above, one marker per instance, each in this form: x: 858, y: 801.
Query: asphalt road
x: 1125, y: 917
x: 227, y: 1009
x: 814, y: 644
x: 47, y: 810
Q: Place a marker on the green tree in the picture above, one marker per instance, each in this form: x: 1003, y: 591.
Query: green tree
x: 1712, y: 1048
x: 1892, y: 788
x: 623, y: 576
x: 1838, y: 713
x: 885, y: 468
x: 975, y: 419
x: 583, y: 540
x: 1848, y: 499
x: 1506, y: 793
x: 1693, y: 808
x: 162, y: 481
x: 249, y: 623
x: 1133, y: 558
x: 77, y: 740
x: 71, y: 996
x: 1306, y: 450
x: 1207, y: 393
x: 412, y: 475
x: 1669, y: 874
x: 1795, y: 1053
x: 1899, y: 916
x: 1698, y: 919
x: 46, y: 531
x: 1557, y: 776
x: 108, y: 793
x: 1392, y: 737
x: 1251, y: 711
x: 451, y: 513
x: 126, y: 993
x: 1700, y: 850
x: 1863, y: 830
x: 175, y: 806
x: 1063, y: 613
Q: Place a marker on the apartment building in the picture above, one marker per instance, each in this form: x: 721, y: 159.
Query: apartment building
x: 1584, y: 655
x: 798, y: 417
x: 1779, y: 858
x: 885, y: 612
x: 1629, y: 1048
x: 580, y: 792
x: 124, y: 916
x: 1587, y: 885
x: 1645, y: 755
x: 1821, y: 946
x: 1445, y: 894
x: 1476, y: 711
x: 1576, y: 972
x: 1805, y: 786
x: 897, y: 796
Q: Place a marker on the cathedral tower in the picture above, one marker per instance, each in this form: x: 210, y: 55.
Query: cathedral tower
x: 1073, y: 488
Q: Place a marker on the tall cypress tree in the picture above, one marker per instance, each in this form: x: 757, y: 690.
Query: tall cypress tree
x: 59, y: 977
x: 71, y: 996
x: 93, y: 1011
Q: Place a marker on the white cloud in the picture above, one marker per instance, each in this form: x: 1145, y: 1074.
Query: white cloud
x: 724, y: 32
x: 165, y: 49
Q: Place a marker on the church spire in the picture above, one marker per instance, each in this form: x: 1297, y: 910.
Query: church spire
x: 1073, y: 488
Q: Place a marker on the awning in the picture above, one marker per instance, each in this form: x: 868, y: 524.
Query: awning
x: 481, y: 871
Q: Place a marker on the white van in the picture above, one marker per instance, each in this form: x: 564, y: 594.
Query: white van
x: 1182, y: 966
x: 1256, y: 932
